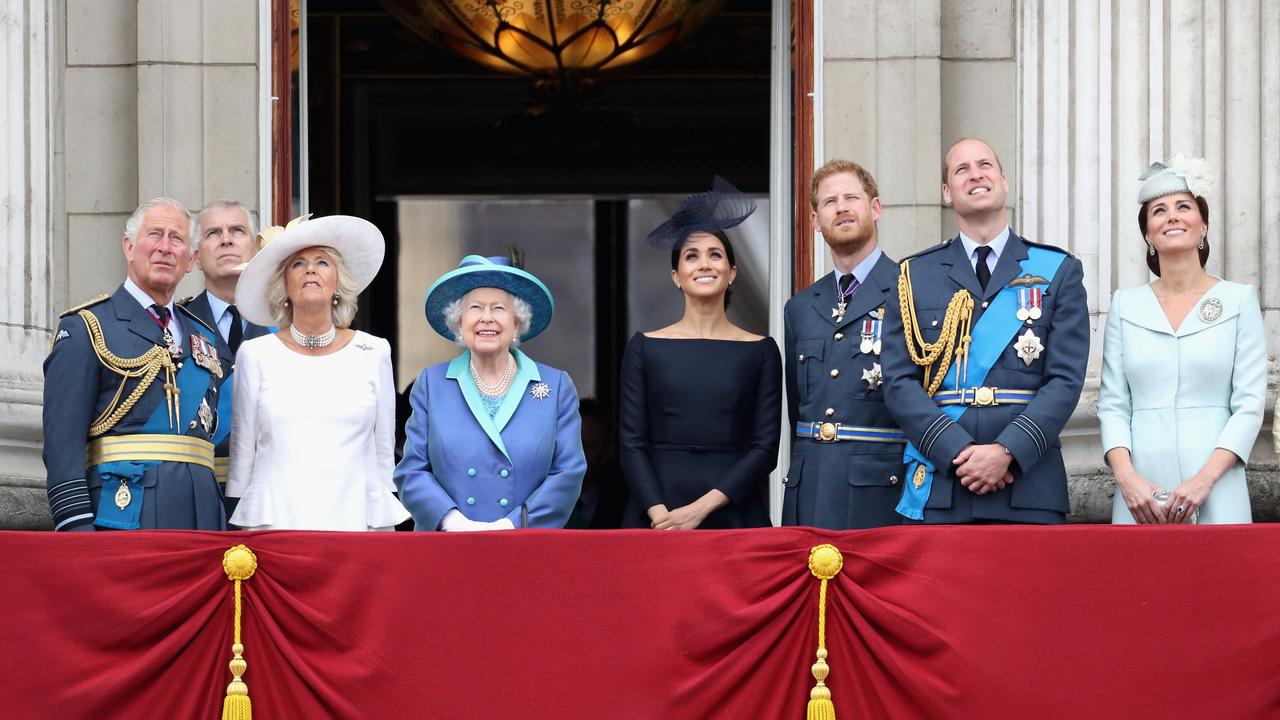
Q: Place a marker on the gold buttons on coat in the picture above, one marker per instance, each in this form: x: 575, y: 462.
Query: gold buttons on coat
x: 839, y: 337
x: 893, y: 479
x: 831, y: 411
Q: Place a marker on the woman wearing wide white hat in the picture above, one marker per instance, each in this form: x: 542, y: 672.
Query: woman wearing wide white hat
x: 314, y: 421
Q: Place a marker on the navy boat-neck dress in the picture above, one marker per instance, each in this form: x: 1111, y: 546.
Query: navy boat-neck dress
x: 697, y: 415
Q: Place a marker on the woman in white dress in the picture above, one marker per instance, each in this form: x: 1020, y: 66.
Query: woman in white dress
x: 1184, y: 368
x: 314, y: 403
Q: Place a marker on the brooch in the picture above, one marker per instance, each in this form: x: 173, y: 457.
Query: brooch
x: 1210, y: 309
x: 364, y: 346
x: 1029, y: 347
x: 540, y: 391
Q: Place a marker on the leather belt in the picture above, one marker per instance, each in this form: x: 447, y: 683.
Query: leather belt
x: 146, y: 448
x: 983, y: 397
x: 833, y: 432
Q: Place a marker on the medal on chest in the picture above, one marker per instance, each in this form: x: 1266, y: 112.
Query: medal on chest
x: 205, y: 355
x: 871, y: 328
x: 1029, y: 347
x: 873, y: 376
x: 1030, y: 300
x: 123, y: 496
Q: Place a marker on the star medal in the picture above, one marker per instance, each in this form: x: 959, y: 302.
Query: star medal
x: 172, y: 344
x: 205, y: 415
x: 1028, y: 347
x: 837, y: 312
x: 205, y: 355
x: 873, y: 376
x: 1210, y: 309
x: 540, y: 391
x: 1024, y: 300
x: 1037, y: 299
x: 123, y: 496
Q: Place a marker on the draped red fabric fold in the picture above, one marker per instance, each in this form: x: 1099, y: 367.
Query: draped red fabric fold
x: 924, y: 622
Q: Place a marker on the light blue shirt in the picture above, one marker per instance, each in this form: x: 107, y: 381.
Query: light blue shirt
x: 997, y: 249
x: 862, y: 269
x: 146, y: 301
x: 221, y: 311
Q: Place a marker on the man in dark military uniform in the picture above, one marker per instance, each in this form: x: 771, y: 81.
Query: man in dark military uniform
x: 996, y: 342
x: 131, y: 395
x: 224, y: 243
x: 846, y: 461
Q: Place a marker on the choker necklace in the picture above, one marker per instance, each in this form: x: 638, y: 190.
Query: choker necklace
x: 501, y: 387
x: 314, y: 342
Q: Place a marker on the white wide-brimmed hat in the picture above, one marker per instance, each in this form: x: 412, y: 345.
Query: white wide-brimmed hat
x: 360, y: 242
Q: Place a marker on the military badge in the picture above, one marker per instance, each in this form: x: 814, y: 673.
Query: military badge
x: 61, y: 335
x: 205, y: 354
x: 1028, y: 347
x: 123, y: 496
x: 1210, y: 309
x: 540, y: 391
x: 205, y: 415
x: 1029, y: 302
x: 1027, y: 280
x: 873, y: 376
x: 871, y: 329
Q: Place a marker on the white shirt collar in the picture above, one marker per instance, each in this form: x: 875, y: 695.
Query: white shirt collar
x: 145, y: 300
x: 217, y: 306
x: 997, y: 246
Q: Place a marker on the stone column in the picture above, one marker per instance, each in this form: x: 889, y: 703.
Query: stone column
x: 24, y: 312
x: 1105, y: 88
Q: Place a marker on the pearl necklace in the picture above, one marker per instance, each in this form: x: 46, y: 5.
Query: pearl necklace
x: 501, y: 387
x: 314, y: 342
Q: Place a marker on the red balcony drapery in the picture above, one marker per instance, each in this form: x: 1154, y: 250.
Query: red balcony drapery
x: 981, y: 622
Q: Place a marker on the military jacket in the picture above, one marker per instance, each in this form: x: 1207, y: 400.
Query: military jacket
x: 833, y: 375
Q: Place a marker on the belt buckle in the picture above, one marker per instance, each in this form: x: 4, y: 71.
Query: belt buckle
x: 984, y: 397
x: 828, y: 431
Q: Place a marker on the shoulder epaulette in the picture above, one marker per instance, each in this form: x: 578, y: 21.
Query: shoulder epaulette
x: 926, y: 251
x: 83, y: 305
x: 1046, y: 246
x: 190, y: 314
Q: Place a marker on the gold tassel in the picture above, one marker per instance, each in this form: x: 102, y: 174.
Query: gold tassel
x: 825, y: 562
x: 239, y: 563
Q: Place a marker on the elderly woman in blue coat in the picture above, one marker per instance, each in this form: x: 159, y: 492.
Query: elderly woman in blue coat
x: 494, y: 441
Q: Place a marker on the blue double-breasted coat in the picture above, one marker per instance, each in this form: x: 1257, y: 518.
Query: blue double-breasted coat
x: 1030, y: 432
x: 525, y: 464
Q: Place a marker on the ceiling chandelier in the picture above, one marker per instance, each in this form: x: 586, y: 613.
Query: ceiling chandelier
x: 561, y: 44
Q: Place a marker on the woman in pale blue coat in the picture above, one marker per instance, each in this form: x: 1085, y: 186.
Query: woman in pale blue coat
x: 1184, y: 368
x: 494, y: 441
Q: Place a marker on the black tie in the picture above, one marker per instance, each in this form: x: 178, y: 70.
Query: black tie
x: 162, y: 314
x: 845, y: 281
x: 984, y: 272
x: 236, y: 336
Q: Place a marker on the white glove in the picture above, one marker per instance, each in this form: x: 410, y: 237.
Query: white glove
x: 455, y: 521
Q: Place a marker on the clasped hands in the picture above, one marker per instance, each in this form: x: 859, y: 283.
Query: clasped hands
x: 455, y: 521
x: 983, y: 469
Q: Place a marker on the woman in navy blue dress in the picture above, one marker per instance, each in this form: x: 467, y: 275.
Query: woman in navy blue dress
x: 701, y: 399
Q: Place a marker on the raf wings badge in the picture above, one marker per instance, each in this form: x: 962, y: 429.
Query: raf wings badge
x: 1027, y: 281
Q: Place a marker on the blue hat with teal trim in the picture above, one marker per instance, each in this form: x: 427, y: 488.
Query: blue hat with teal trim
x: 476, y: 271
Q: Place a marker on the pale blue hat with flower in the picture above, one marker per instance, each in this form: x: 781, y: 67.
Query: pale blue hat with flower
x: 477, y: 271
x: 1181, y: 174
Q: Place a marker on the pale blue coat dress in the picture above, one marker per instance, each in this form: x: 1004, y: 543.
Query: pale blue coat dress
x: 1172, y: 397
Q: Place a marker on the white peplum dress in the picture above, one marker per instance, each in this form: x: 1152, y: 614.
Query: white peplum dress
x: 312, y: 437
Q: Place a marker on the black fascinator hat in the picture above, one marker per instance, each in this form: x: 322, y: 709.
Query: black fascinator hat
x: 723, y: 207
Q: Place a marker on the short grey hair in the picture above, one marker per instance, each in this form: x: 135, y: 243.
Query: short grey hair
x: 343, y: 313
x: 223, y: 205
x: 134, y: 223
x: 520, y: 308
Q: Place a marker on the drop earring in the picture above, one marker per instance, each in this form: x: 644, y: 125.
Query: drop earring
x: 335, y: 299
x: 1151, y: 249
x: 1200, y: 245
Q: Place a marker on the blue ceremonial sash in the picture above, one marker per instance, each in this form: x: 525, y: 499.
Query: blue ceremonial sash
x: 991, y: 335
x: 193, y: 383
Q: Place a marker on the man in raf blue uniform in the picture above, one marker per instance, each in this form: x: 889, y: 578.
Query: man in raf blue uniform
x: 996, y: 342
x: 131, y: 395
x: 846, y: 461
x: 225, y: 242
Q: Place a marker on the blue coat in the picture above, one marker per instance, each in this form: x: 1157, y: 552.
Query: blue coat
x: 847, y: 484
x: 1030, y: 432
x: 199, y: 306
x: 77, y: 388
x: 526, y: 464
